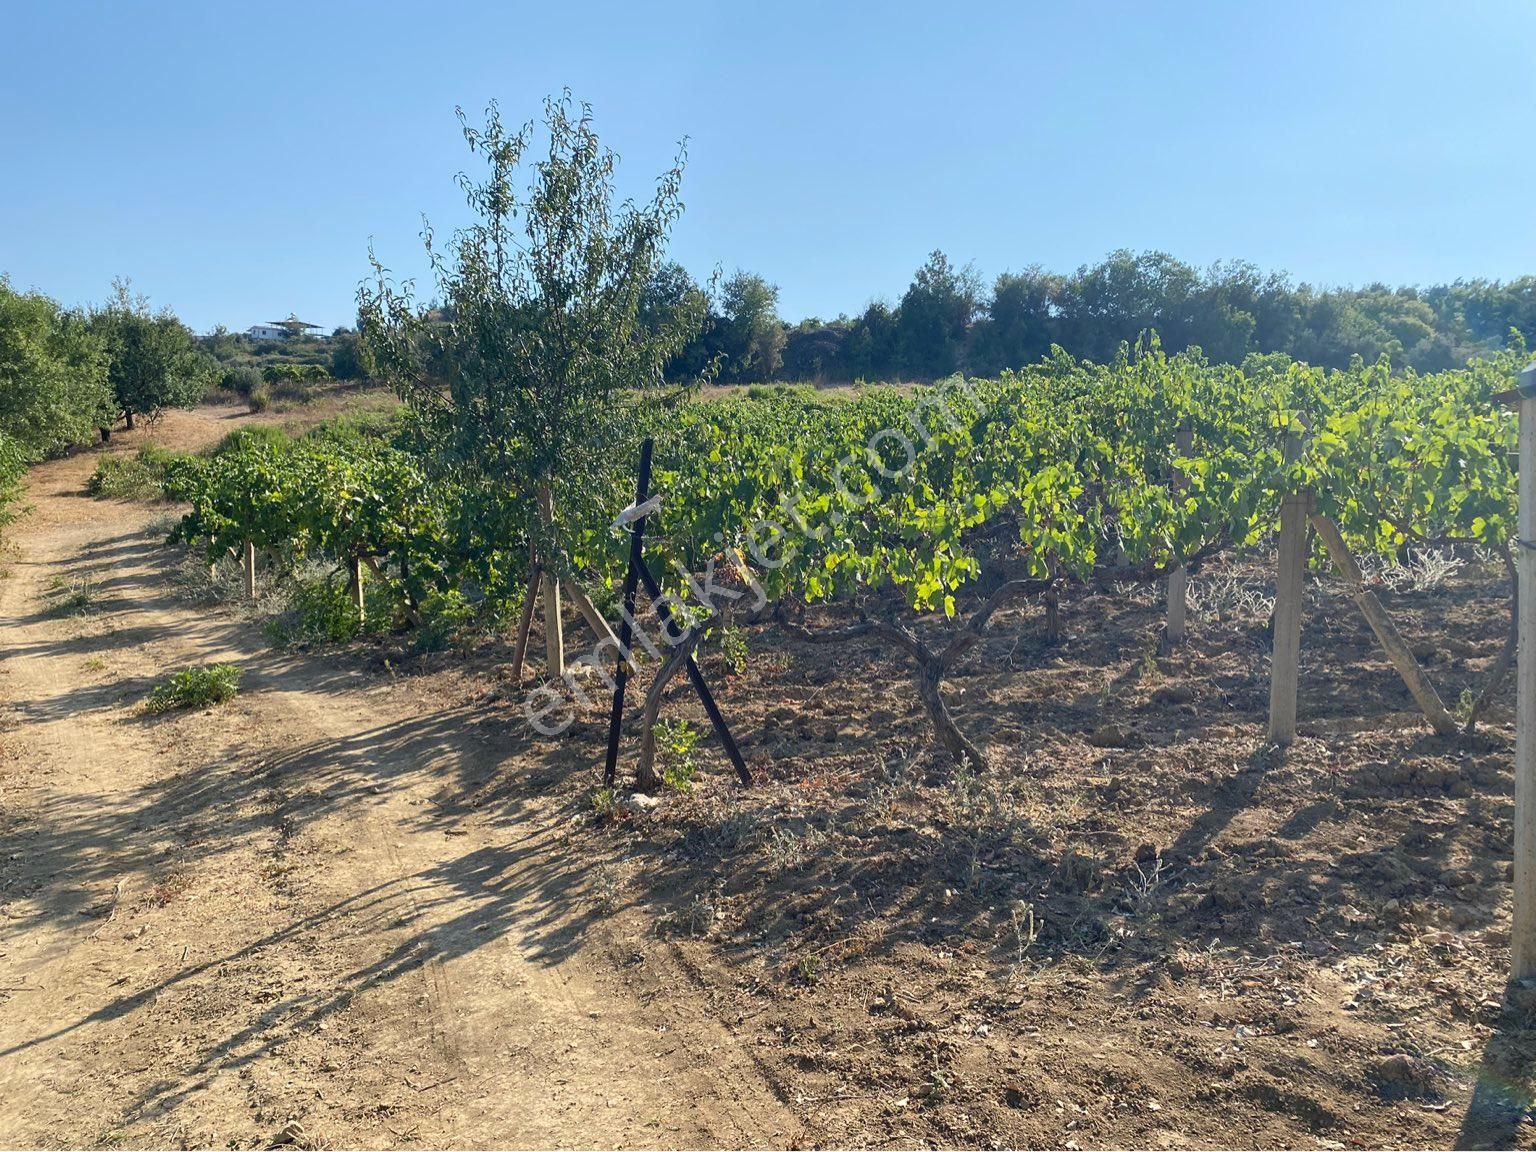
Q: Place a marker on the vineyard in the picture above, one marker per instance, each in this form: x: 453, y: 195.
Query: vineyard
x: 913, y: 515
x: 998, y: 780
x: 1128, y: 748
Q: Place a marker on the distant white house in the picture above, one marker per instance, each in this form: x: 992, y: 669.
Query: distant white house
x: 281, y: 329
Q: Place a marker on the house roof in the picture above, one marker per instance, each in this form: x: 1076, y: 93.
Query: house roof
x: 292, y: 322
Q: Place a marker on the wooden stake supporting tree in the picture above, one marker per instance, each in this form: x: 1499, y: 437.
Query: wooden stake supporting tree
x: 1387, y: 635
x: 554, y: 634
x: 544, y: 586
x: 250, y: 570
x: 355, y: 586
x: 1285, y: 665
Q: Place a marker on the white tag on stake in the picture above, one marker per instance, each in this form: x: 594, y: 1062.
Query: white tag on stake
x: 636, y: 512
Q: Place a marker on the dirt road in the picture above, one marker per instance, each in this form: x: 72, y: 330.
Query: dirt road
x: 330, y: 903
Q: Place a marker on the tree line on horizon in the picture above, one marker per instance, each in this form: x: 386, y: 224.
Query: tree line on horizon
x: 947, y: 321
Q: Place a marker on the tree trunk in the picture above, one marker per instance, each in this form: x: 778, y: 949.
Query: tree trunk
x: 1052, y: 615
x: 646, y: 779
x: 128, y: 418
x: 411, y: 613
x: 106, y: 435
x: 930, y: 675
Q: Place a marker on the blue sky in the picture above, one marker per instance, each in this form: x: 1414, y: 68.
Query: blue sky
x: 236, y: 160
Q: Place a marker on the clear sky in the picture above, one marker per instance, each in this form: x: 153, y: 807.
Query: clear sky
x: 235, y: 159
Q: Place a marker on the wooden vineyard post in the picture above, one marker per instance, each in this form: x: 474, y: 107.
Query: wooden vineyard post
x: 1178, y: 579
x: 250, y: 570
x: 355, y: 574
x: 589, y: 612
x: 1523, y: 938
x: 1285, y: 666
x: 554, y: 635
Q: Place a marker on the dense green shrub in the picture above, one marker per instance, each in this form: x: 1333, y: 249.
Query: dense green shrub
x: 446, y: 618
x: 346, y: 357
x: 242, y: 380
x: 137, y: 477
x: 294, y: 373
x: 322, y: 612
x: 250, y: 436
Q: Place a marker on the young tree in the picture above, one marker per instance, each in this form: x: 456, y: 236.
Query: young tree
x: 155, y: 361
x: 524, y: 383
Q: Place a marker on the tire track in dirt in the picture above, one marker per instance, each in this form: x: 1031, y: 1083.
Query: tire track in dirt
x: 276, y: 912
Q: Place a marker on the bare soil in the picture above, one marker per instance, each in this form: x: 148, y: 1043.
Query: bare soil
x: 365, y: 899
x: 297, y: 909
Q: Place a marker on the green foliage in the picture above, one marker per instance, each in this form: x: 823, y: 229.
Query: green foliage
x: 946, y: 323
x: 156, y: 362
x: 751, y: 336
x: 243, y: 380
x: 324, y: 613
x: 529, y: 373
x: 294, y: 373
x: 780, y: 391
x: 327, y: 497
x: 195, y: 688
x: 53, y: 385
x: 259, y: 399
x: 604, y: 803
x: 676, y: 742
x: 935, y: 316
x: 446, y: 617
x: 733, y: 650
x: 347, y: 359
x: 250, y: 436
x: 138, y: 477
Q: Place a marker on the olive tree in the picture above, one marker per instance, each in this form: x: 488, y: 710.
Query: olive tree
x: 526, y: 374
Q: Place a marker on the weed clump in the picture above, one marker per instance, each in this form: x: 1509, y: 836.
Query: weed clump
x: 194, y: 688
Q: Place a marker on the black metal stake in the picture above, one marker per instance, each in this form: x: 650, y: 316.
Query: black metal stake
x: 626, y: 630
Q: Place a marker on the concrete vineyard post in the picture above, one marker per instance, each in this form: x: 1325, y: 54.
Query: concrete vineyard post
x: 1524, y: 929
x: 1285, y: 667
x: 250, y: 570
x: 1178, y: 579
